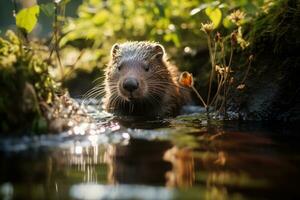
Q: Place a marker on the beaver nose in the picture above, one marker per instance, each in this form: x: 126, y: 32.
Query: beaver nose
x: 130, y: 84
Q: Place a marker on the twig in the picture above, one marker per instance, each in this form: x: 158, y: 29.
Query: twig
x: 56, y: 49
x: 231, y: 55
x: 212, y: 71
x: 218, y: 90
x: 74, y: 64
x: 15, y: 10
x: 246, y: 74
x: 199, y: 96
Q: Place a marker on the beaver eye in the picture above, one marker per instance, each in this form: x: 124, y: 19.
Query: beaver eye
x: 146, y: 67
x: 119, y: 67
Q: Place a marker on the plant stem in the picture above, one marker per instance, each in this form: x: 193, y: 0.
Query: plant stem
x: 15, y: 10
x: 218, y: 90
x: 199, y: 96
x: 246, y: 74
x: 231, y: 55
x: 223, y: 53
x: 212, y: 70
x: 56, y: 42
x: 226, y: 82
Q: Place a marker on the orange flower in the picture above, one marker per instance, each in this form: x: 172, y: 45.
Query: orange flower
x: 186, y: 79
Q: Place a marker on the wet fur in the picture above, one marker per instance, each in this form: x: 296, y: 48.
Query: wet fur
x: 159, y: 90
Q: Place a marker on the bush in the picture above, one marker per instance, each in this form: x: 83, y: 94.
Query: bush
x: 24, y: 84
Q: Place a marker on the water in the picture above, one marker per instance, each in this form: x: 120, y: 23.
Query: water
x: 188, y: 157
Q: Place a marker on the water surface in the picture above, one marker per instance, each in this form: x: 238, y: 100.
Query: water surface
x: 188, y: 157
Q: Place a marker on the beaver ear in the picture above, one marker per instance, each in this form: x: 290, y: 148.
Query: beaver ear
x: 114, y: 50
x: 158, y: 51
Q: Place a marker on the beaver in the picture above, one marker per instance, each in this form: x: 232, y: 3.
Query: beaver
x: 139, y: 81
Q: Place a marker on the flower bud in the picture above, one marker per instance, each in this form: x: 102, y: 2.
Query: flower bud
x: 186, y: 79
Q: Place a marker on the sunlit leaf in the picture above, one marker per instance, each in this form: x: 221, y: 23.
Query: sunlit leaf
x: 48, y: 9
x: 175, y: 40
x: 227, y: 23
x: 215, y: 15
x: 27, y: 18
x: 223, y: 5
x: 101, y: 17
x: 206, y: 5
x: 199, y: 9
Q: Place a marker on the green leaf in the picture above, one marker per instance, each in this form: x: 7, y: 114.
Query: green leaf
x: 27, y: 18
x: 227, y: 23
x: 101, y: 17
x: 215, y: 15
x: 48, y: 9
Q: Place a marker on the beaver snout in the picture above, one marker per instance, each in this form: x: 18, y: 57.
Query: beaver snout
x: 130, y: 84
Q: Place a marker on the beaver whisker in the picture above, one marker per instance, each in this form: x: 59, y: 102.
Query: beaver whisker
x: 91, y: 90
x: 159, y: 98
x: 115, y: 101
x: 99, y: 79
x: 157, y: 76
x: 96, y: 92
x: 157, y: 89
x: 171, y: 84
x: 131, y: 107
x: 159, y: 72
x: 92, y: 95
x: 163, y: 71
x: 161, y: 84
x: 155, y: 99
x: 95, y: 89
x: 161, y: 87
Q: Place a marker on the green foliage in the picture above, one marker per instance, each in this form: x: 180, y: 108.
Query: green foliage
x: 106, y: 23
x: 25, y: 84
x: 277, y: 27
x: 27, y: 18
x: 48, y: 9
x: 175, y: 24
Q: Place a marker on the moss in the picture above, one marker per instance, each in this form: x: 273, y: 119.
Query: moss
x: 272, y: 87
x: 25, y: 85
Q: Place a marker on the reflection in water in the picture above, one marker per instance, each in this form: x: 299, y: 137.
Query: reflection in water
x: 202, y: 162
x: 155, y: 162
x: 182, y: 173
x: 140, y: 162
x: 6, y: 191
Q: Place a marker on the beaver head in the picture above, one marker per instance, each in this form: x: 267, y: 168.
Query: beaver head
x: 139, y: 80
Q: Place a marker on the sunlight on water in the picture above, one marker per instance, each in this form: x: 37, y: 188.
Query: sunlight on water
x: 6, y: 191
x: 97, y: 191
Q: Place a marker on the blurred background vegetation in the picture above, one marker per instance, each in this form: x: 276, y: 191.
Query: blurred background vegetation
x: 89, y: 28
x: 175, y: 24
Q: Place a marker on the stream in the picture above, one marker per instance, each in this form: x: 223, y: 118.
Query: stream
x: 187, y: 157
